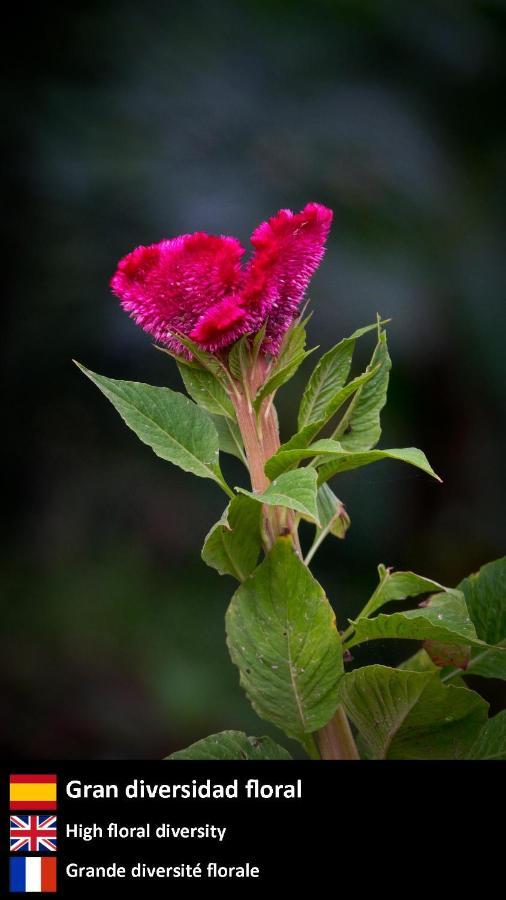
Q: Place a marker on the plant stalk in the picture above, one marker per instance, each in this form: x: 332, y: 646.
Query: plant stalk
x: 335, y: 740
x: 260, y: 434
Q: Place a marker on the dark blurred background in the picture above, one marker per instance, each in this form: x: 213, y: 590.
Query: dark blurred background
x: 129, y: 122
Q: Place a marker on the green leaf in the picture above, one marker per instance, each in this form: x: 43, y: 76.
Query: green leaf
x: 174, y: 427
x: 491, y: 742
x: 280, y: 374
x: 294, y: 490
x: 333, y: 518
x: 239, y: 358
x: 331, y: 512
x: 445, y: 619
x: 233, y: 544
x: 411, y: 715
x: 284, y: 460
x: 230, y: 745
x: 294, y: 341
x: 360, y: 427
x: 281, y: 634
x: 291, y: 355
x: 399, y: 586
x: 181, y: 360
x: 229, y: 437
x: 206, y: 390
x: 257, y: 342
x: 208, y: 360
x: 303, y: 438
x: 419, y: 662
x: 346, y: 461
x: 327, y: 379
x: 485, y: 594
x: 331, y: 459
x: 489, y: 662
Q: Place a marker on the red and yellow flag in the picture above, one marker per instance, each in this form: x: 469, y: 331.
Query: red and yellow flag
x: 33, y: 792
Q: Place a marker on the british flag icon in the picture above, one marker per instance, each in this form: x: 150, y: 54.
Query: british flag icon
x: 33, y: 834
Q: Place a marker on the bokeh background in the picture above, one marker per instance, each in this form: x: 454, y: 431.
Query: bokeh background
x: 127, y: 122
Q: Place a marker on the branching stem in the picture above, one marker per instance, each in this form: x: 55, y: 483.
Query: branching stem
x: 260, y: 434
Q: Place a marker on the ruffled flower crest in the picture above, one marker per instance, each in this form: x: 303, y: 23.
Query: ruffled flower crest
x: 196, y: 285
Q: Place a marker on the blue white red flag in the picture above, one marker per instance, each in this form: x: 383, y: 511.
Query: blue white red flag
x: 32, y: 874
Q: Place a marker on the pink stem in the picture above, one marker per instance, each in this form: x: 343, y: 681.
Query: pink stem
x: 260, y: 436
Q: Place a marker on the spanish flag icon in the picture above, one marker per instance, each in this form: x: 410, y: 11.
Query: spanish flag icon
x: 33, y: 792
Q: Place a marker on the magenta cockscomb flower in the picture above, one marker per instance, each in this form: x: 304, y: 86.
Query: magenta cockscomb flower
x: 196, y: 284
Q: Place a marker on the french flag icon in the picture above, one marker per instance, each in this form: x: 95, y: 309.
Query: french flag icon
x: 32, y: 875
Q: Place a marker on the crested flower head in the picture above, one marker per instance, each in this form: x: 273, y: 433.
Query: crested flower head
x: 196, y: 285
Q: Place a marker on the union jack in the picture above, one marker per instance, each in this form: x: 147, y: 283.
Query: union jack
x: 33, y: 833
